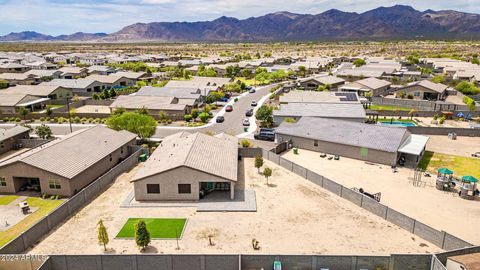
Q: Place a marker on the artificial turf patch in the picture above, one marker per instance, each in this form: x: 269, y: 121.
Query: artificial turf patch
x: 159, y: 228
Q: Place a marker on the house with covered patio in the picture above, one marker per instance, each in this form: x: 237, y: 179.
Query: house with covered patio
x: 186, y: 167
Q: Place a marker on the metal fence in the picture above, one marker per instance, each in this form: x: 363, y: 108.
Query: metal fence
x: 441, y: 239
x: 62, y: 212
x: 236, y: 262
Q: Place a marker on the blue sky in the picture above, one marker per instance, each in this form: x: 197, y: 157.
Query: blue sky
x: 68, y: 16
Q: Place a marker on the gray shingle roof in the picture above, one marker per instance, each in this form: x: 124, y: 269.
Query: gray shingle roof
x: 73, y: 154
x: 328, y: 110
x: 12, y: 132
x: 40, y: 90
x: 71, y: 83
x: 377, y: 137
x: 214, y: 155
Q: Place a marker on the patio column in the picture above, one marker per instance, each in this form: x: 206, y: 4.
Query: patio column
x: 232, y: 190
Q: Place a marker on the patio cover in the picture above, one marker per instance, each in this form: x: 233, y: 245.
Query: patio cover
x: 414, y: 145
x: 32, y: 102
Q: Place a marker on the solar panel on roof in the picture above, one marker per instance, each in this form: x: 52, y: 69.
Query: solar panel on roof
x: 347, y: 96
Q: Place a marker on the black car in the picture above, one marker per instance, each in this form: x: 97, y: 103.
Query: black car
x: 249, y: 113
x: 220, y: 119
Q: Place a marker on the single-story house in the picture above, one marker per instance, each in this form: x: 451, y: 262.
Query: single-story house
x: 12, y: 67
x: 45, y: 73
x: 314, y: 82
x: 65, y: 166
x: 171, y: 106
x: 423, y: 90
x: 185, y: 165
x: 135, y: 76
x: 45, y: 91
x: 11, y: 103
x: 19, y: 78
x: 376, y: 86
x: 181, y: 93
x: 73, y: 72
x: 112, y: 80
x: 358, y: 73
x: 9, y: 138
x: 82, y: 86
x: 100, y: 70
x: 373, y: 143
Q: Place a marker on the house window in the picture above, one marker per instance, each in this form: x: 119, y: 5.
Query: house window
x: 153, y: 188
x: 2, y: 144
x: 121, y: 150
x: 3, y: 182
x: 417, y: 94
x: 315, y: 143
x: 110, y: 156
x: 54, y: 184
x: 184, y: 188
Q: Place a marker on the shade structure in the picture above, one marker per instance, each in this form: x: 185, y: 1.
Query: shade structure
x: 445, y: 171
x: 469, y: 179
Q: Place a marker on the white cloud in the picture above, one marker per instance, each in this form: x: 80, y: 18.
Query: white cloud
x: 68, y: 16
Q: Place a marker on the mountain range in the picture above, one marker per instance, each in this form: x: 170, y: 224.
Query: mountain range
x: 383, y: 23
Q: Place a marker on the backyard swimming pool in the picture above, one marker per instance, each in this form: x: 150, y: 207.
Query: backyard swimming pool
x: 396, y: 123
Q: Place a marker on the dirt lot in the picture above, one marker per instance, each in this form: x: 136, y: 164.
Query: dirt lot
x: 443, y: 211
x: 427, y: 122
x: 462, y: 146
x: 93, y: 109
x: 294, y: 216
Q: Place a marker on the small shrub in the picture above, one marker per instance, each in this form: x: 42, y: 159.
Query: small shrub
x: 18, y: 119
x: 245, y: 143
x: 290, y: 120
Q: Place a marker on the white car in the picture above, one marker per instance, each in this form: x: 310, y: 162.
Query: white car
x: 246, y: 122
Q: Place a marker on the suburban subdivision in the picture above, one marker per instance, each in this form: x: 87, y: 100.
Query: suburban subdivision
x: 177, y: 146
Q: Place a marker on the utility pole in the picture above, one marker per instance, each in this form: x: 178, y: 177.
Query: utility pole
x: 69, y: 116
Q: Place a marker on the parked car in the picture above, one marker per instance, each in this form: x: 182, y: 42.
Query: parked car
x: 229, y: 108
x: 476, y: 154
x: 224, y: 99
x: 249, y: 113
x: 251, y: 91
x: 249, y: 88
x: 292, y: 77
x: 246, y: 122
x: 254, y: 103
x: 266, y: 135
x: 220, y: 119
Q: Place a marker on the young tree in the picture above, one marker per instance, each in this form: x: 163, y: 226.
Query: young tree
x: 267, y: 172
x: 43, y: 132
x: 194, y: 114
x: 258, y: 162
x: 23, y: 112
x: 102, y: 235
x: 142, y: 125
x: 48, y: 111
x: 204, y: 117
x: 142, y: 235
x: 264, y: 114
x: 359, y: 62
x: 302, y: 70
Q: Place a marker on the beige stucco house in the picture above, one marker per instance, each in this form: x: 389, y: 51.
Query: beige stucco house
x: 65, y: 166
x: 185, y: 165
x: 10, y: 137
x: 423, y: 90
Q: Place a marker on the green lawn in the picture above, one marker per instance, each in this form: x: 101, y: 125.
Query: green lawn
x: 461, y: 166
x: 44, y: 207
x: 4, y: 200
x: 388, y: 108
x: 159, y: 228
